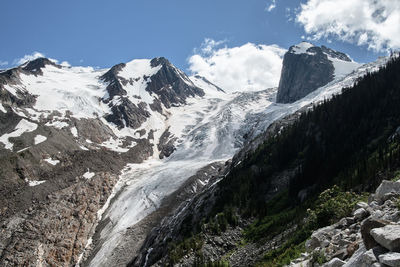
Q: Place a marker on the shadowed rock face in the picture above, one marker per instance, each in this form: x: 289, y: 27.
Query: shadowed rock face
x: 170, y: 84
x: 114, y: 87
x: 35, y: 66
x: 302, y: 73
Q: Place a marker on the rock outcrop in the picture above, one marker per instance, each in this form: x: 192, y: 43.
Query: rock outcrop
x: 305, y: 68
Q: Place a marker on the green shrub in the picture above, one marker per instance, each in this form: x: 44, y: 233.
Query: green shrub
x: 332, y: 205
x: 318, y: 257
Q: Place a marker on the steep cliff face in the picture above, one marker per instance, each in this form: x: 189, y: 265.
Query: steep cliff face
x: 307, y: 67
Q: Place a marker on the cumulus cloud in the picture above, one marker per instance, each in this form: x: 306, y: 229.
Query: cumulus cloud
x: 271, y: 6
x: 245, y: 68
x: 34, y: 55
x: 374, y: 23
x: 3, y: 63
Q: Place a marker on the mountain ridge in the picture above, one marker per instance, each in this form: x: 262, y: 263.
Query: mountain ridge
x: 136, y: 131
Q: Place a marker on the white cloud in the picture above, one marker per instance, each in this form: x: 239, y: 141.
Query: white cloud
x: 65, y: 64
x: 208, y: 46
x: 245, y: 68
x: 3, y: 63
x: 271, y: 6
x: 375, y: 23
x: 34, y: 55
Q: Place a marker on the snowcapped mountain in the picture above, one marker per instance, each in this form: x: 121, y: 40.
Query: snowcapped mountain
x: 307, y: 67
x: 78, y: 137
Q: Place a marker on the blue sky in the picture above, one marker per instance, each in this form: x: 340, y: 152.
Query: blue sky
x: 104, y: 33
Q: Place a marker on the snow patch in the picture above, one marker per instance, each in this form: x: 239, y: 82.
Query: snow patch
x: 88, y: 175
x: 342, y: 68
x: 83, y: 148
x: 34, y: 183
x: 74, y: 132
x: 116, y: 145
x: 26, y: 148
x: 52, y: 161
x: 22, y: 127
x: 57, y: 124
x: 301, y: 48
x: 40, y: 139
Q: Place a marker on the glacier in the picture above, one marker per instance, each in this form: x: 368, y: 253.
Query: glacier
x: 210, y: 129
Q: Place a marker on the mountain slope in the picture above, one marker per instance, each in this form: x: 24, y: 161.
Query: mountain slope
x: 110, y: 147
x: 55, y: 141
x: 271, y: 183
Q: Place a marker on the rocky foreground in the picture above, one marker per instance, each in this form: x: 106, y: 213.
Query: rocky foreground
x: 371, y: 237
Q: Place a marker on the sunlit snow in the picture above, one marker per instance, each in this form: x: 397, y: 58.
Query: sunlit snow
x: 88, y: 175
x: 39, y: 139
x: 22, y: 127
x: 209, y: 129
x: 52, y: 161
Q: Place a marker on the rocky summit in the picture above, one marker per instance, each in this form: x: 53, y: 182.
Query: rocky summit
x: 307, y: 67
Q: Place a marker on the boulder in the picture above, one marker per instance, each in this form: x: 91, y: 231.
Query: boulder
x: 385, y: 188
x: 341, y: 254
x: 360, y: 214
x: 370, y: 257
x: 391, y: 259
x: 366, y: 227
x: 388, y: 237
x: 318, y: 237
x: 357, y: 259
x: 390, y: 195
x: 335, y: 262
x: 361, y: 205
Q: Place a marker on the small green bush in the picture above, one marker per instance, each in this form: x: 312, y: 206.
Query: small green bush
x: 318, y: 257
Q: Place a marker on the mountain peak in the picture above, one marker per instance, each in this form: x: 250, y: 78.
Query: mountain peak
x: 157, y: 61
x: 307, y: 67
x: 34, y: 66
x: 301, y: 48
